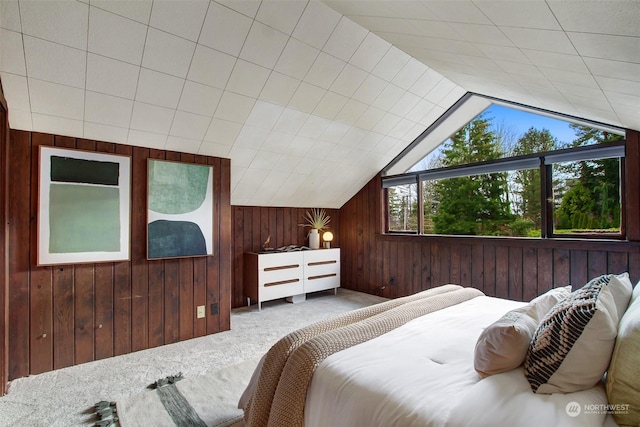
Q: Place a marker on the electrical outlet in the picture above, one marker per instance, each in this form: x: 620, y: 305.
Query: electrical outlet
x: 214, y: 309
x: 392, y: 281
x: 200, y: 312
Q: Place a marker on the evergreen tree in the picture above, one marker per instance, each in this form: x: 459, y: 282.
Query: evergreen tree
x: 528, y: 181
x: 475, y: 204
x: 592, y: 197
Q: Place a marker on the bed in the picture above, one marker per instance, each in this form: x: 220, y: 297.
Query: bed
x: 414, y: 361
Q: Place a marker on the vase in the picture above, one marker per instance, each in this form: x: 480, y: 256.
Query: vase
x: 314, y: 239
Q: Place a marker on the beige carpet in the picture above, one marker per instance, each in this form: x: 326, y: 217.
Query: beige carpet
x: 65, y: 397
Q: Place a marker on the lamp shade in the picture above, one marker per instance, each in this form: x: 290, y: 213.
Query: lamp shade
x: 327, y: 236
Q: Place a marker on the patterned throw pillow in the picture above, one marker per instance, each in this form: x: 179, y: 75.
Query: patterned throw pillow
x: 572, y: 347
x: 503, y: 345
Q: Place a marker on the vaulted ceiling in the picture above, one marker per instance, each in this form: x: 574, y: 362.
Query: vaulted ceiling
x: 308, y: 99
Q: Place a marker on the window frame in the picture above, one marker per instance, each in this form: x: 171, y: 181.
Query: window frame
x: 545, y: 161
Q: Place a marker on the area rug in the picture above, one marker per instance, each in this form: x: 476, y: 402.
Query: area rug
x: 208, y: 400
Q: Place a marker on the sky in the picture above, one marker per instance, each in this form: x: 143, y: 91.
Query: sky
x: 521, y: 121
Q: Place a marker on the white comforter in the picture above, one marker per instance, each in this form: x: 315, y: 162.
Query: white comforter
x: 421, y: 374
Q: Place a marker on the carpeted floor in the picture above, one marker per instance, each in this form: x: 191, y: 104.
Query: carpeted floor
x: 64, y: 397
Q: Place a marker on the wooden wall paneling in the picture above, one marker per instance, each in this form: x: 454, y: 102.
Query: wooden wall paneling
x: 502, y: 272
x: 465, y: 265
x: 213, y: 262
x: 529, y: 273
x: 41, y: 292
x: 68, y: 314
x: 544, y: 270
x: 414, y: 253
x: 139, y: 266
x: 579, y: 269
x: 103, y: 310
x: 436, y: 277
x: 477, y: 267
x: 64, y: 317
x: 489, y: 270
x: 200, y: 295
x: 19, y: 239
x: 632, y: 152
x: 515, y: 273
x: 634, y: 267
x: 156, y: 276
x: 386, y: 272
x: 103, y: 292
x: 171, y: 301
x: 256, y: 231
x: 361, y: 212
x: 122, y: 293
x: 425, y: 265
x: 396, y: 270
x: 596, y: 264
x: 224, y: 247
x: 186, y: 311
x: 445, y: 263
x: 84, y: 313
x: 4, y: 246
x: 618, y: 263
x: 561, y: 267
x: 454, y: 265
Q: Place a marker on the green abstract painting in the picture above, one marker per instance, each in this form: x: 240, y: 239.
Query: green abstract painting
x: 179, y: 210
x: 83, y: 207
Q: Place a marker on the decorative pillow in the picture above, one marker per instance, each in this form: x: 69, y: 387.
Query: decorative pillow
x: 503, y: 345
x: 623, y: 376
x: 571, y: 349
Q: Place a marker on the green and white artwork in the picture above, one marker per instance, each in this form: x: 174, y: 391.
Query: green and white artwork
x: 179, y: 210
x: 83, y: 209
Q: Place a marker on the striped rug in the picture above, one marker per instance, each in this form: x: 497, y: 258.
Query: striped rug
x: 208, y: 400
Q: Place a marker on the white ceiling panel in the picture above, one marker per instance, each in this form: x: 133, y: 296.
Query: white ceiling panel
x: 283, y: 15
x: 63, y: 22
x: 115, y: 37
x: 309, y: 99
x: 183, y: 19
x: 12, y: 53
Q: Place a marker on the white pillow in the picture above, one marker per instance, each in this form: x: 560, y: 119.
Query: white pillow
x: 503, y: 345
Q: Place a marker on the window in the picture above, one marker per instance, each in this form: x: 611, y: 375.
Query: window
x: 482, y: 182
x: 403, y: 208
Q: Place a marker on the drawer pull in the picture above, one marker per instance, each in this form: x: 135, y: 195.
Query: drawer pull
x: 322, y: 262
x: 282, y: 267
x: 322, y: 276
x: 282, y: 282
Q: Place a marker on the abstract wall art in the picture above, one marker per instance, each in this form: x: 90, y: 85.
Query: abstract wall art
x: 179, y: 210
x: 83, y: 207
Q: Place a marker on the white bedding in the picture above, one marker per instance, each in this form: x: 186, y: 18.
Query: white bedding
x: 421, y: 374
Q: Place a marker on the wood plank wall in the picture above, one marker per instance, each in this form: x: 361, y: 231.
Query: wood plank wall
x: 4, y: 311
x: 252, y: 225
x: 69, y: 314
x: 505, y: 267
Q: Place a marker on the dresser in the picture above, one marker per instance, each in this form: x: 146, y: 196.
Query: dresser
x: 269, y: 276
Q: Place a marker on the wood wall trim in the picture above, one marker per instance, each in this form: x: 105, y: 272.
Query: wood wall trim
x: 4, y: 244
x: 70, y: 314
